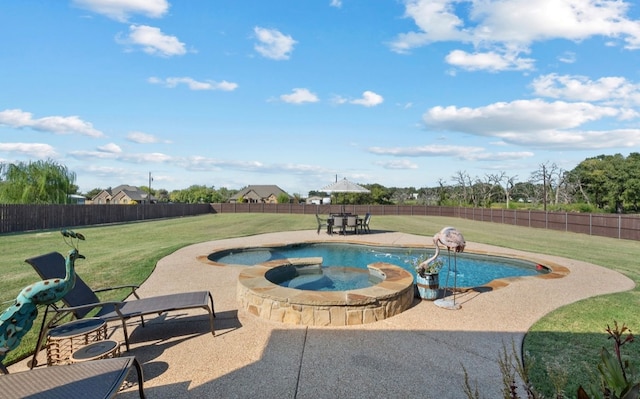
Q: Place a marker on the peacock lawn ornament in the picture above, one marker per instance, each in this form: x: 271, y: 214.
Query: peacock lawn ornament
x: 18, y: 318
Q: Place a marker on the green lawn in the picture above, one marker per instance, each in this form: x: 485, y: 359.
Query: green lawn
x: 568, y: 339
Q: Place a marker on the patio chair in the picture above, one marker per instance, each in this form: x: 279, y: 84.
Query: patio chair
x: 352, y: 223
x: 338, y: 225
x: 364, y: 224
x: 82, y: 300
x: 93, y: 379
x: 321, y: 223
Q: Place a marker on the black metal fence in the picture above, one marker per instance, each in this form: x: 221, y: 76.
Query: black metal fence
x: 17, y: 218
x: 606, y: 225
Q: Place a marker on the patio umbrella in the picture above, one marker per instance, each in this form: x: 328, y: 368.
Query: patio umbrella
x: 345, y: 186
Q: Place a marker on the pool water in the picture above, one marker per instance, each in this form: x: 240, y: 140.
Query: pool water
x: 332, y: 279
x: 472, y: 270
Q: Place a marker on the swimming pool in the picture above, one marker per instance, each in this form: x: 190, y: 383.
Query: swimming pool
x: 473, y: 270
x: 334, y: 278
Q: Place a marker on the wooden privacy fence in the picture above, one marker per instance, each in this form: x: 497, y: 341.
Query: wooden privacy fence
x: 606, y: 225
x: 17, y: 218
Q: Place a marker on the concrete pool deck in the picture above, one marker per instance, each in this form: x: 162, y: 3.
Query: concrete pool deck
x: 418, y: 353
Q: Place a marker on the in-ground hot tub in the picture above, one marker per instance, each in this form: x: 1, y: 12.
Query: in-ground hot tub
x: 260, y: 295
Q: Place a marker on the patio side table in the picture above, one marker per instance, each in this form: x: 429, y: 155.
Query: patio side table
x: 66, y: 338
x: 96, y: 350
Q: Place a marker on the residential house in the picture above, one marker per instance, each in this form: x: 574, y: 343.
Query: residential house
x: 76, y: 199
x: 315, y: 200
x: 267, y: 194
x: 122, y: 195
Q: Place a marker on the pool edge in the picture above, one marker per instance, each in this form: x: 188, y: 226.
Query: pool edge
x: 262, y: 298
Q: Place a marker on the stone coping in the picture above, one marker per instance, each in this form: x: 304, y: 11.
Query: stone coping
x: 555, y: 270
x: 261, y: 297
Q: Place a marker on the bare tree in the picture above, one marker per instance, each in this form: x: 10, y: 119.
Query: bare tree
x: 554, y: 183
x: 506, y: 184
x: 560, y: 185
x: 443, y: 192
x: 463, y: 180
x: 481, y: 193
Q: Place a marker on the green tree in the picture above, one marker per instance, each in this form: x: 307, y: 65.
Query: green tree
x: 93, y: 192
x: 39, y: 182
x: 443, y: 193
x: 195, y: 194
x: 283, y: 199
x: 617, y: 176
x: 379, y: 195
x: 162, y: 195
x: 591, y: 179
x: 631, y: 194
x: 609, y: 181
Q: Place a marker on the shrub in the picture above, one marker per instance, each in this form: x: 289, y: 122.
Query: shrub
x: 617, y: 378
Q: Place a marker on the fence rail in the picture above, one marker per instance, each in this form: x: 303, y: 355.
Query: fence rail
x: 17, y: 218
x: 605, y: 225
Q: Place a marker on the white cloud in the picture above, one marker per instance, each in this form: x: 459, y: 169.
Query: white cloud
x: 491, y: 61
x: 500, y: 30
x: 193, y: 84
x: 398, y: 164
x: 369, y: 99
x: 536, y: 123
x: 336, y: 3
x: 436, y: 21
x: 154, y: 157
x: 610, y: 89
x: 110, y: 148
x: 114, y: 175
x: 201, y: 163
x: 195, y: 163
x: 521, y: 115
x: 467, y: 153
x: 526, y: 21
x: 136, y: 158
x: 273, y: 44
x: 153, y: 41
x: 499, y: 156
x: 338, y: 100
x: 577, y: 140
x: 142, y: 138
x: 35, y: 150
x: 93, y: 155
x: 299, y: 96
x: 120, y: 10
x: 406, y: 105
x: 427, y: 150
x: 54, y: 124
x: 568, y: 57
x: 108, y: 171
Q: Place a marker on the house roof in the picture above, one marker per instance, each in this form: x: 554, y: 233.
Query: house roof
x: 132, y: 192
x: 136, y: 195
x: 123, y: 187
x: 262, y: 191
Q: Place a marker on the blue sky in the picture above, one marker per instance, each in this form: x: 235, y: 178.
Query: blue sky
x: 228, y: 93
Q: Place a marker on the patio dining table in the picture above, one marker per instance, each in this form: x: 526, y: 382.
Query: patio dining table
x: 344, y: 217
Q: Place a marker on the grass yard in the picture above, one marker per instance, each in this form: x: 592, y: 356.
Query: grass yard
x: 567, y: 340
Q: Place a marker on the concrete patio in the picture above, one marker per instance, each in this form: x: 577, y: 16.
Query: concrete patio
x: 421, y: 352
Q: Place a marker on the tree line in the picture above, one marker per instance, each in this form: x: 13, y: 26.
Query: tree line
x: 605, y: 183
